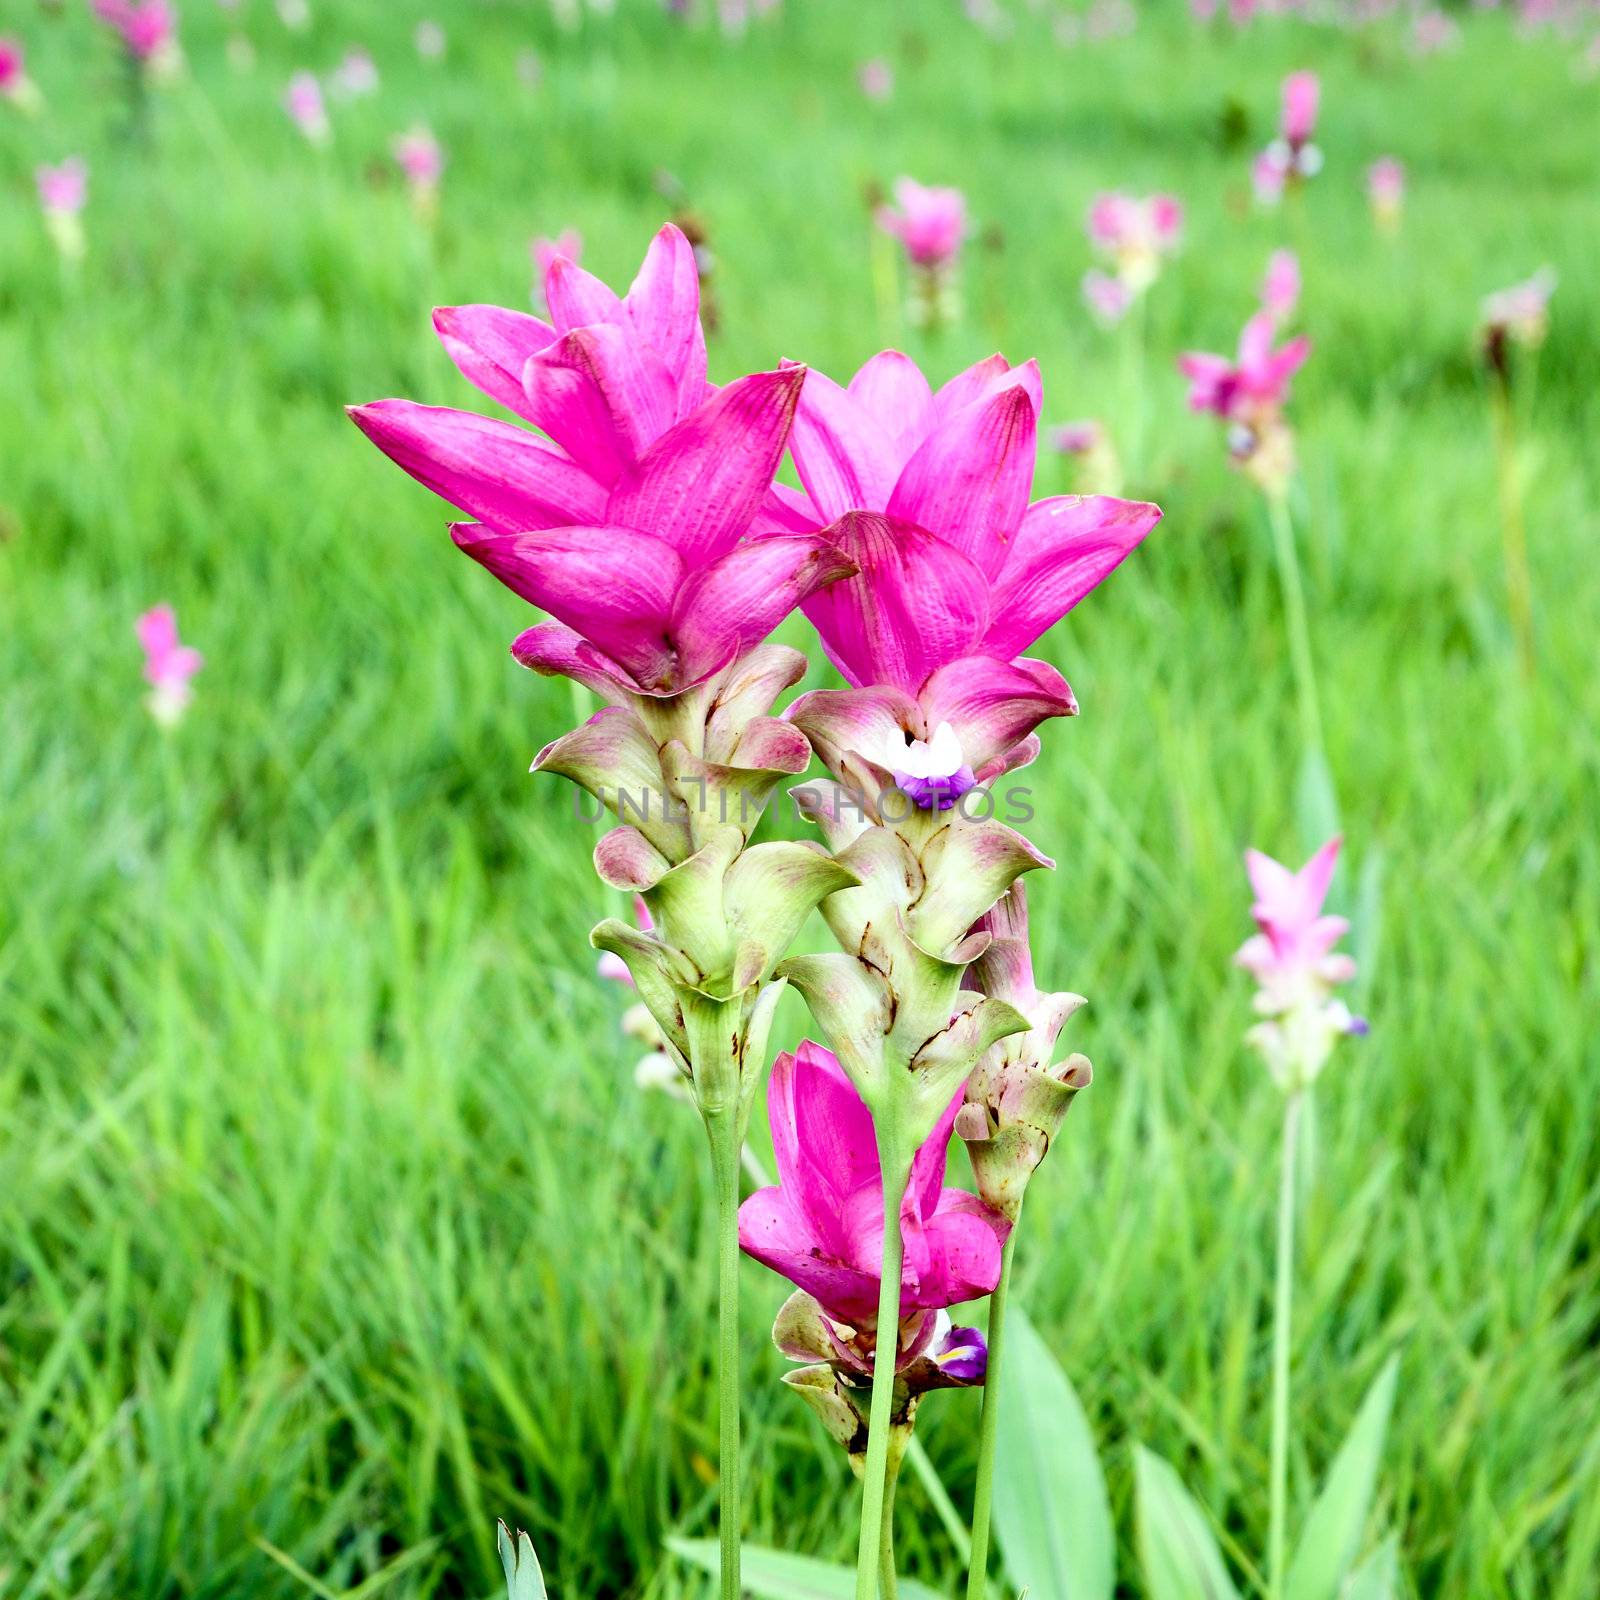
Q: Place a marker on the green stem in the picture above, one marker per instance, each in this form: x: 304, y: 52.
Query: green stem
x: 722, y: 1129
x: 989, y: 1429
x: 895, y: 1164
x: 1513, y: 530
x: 1294, y: 606
x: 1282, y: 1306
x: 888, y: 1578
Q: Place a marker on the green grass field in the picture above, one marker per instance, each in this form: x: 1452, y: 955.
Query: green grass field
x: 331, y: 1223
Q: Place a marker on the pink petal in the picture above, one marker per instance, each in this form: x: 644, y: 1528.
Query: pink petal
x: 615, y: 586
x: 1064, y: 548
x: 927, y: 1166
x: 602, y: 395
x: 663, y: 306
x: 965, y: 1239
x: 491, y: 470
x: 577, y: 299
x: 864, y: 721
x: 1316, y: 876
x: 552, y: 648
x: 771, y: 1232
x: 968, y: 481
x: 982, y: 379
x: 157, y: 630
x: 915, y: 604
x: 732, y: 605
x: 891, y: 390
x: 785, y: 510
x: 994, y: 705
x: 702, y: 482
x: 491, y: 346
x: 840, y: 451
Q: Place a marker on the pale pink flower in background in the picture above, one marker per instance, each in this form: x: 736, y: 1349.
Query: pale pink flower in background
x: 430, y: 41
x: 64, y: 190
x: 1107, y: 297
x: 876, y: 78
x: 1293, y: 961
x: 1094, y: 453
x: 421, y: 158
x: 303, y: 101
x: 295, y: 15
x: 1522, y: 312
x: 15, y: 84
x: 1269, y: 174
x: 168, y: 665
x: 1136, y: 234
x: 1386, y: 191
x: 567, y: 246
x: 1302, y: 93
x: 1203, y: 10
x: 148, y: 29
x: 929, y: 222
x: 355, y: 76
x: 1076, y: 438
x: 1434, y: 31
x: 1280, y: 292
x: 1241, y: 12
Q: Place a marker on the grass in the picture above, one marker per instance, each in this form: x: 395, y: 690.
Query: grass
x: 331, y: 1224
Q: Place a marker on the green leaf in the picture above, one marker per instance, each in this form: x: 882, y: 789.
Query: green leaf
x: 1316, y: 805
x: 1378, y: 1577
x: 524, y: 1580
x: 1052, y: 1517
x: 1333, y: 1530
x: 777, y: 1575
x: 1180, y: 1555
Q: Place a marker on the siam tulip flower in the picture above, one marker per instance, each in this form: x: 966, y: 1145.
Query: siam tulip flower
x: 303, y: 101
x: 1249, y: 393
x: 927, y: 493
x: 63, y: 193
x: 1386, y: 192
x: 821, y: 1226
x: 567, y: 246
x: 876, y: 79
x: 15, y: 84
x: 1302, y: 91
x: 1135, y: 235
x: 1108, y: 299
x: 1269, y: 175
x: 148, y: 29
x: 168, y: 665
x: 420, y: 157
x: 1280, y: 291
x: 1520, y: 314
x: 626, y: 525
x: 430, y: 41
x: 1296, y: 967
x: 356, y: 76
x: 1291, y: 158
x: 930, y: 224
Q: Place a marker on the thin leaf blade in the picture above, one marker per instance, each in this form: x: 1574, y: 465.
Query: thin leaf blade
x: 777, y: 1575
x: 1176, y: 1546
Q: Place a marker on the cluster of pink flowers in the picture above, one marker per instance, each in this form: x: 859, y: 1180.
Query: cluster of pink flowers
x: 1134, y: 235
x: 169, y: 665
x: 931, y: 225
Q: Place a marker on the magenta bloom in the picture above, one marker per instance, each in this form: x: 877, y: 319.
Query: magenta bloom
x: 303, y: 101
x: 876, y: 79
x: 930, y: 223
x: 420, y: 157
x: 927, y: 494
x: 168, y: 665
x: 1280, y: 292
x: 13, y: 66
x: 1107, y: 297
x: 567, y: 246
x: 64, y: 190
x: 147, y: 27
x: 1301, y: 93
x: 625, y: 522
x: 821, y: 1227
x: 1258, y: 379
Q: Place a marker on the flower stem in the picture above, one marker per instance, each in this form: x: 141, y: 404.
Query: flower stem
x: 896, y: 1167
x: 1294, y: 606
x: 888, y: 1578
x: 989, y: 1429
x: 722, y: 1129
x: 1513, y: 530
x: 1282, y: 1306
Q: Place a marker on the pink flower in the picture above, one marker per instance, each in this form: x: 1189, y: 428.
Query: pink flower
x: 356, y: 75
x: 168, y: 665
x: 148, y: 27
x: 64, y: 190
x: 1280, y: 292
x: 821, y: 1226
x: 420, y: 157
x: 626, y: 525
x: 1521, y: 312
x: 1301, y: 94
x: 567, y: 246
x: 13, y: 65
x: 1108, y: 298
x: 1077, y: 438
x: 1434, y: 31
x: 927, y: 494
x: 1293, y: 960
x: 929, y: 223
x: 1386, y: 190
x: 1122, y: 223
x: 1269, y: 174
x: 1258, y: 379
x: 876, y: 79
x: 303, y: 101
